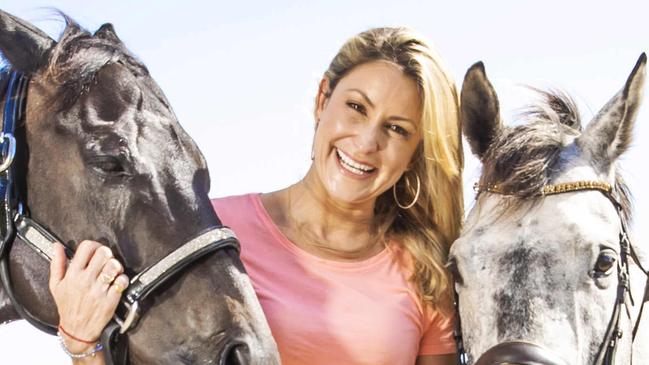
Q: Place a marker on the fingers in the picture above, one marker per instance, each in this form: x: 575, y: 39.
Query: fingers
x: 114, y: 293
x: 57, y: 265
x: 88, y: 292
x: 82, y: 256
x: 99, y: 261
x: 117, y: 288
x: 108, y: 274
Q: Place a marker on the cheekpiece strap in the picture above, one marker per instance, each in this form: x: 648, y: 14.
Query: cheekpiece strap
x: 38, y: 237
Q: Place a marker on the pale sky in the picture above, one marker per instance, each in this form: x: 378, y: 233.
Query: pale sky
x: 242, y: 76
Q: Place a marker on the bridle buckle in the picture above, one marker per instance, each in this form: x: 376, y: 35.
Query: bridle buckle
x: 11, y: 151
x: 130, y: 318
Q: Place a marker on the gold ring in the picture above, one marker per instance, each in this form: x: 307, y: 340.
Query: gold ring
x: 106, y: 279
x: 119, y: 287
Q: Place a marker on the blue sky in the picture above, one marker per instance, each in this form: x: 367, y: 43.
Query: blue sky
x: 242, y: 76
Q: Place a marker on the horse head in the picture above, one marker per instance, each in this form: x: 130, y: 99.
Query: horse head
x: 536, y: 270
x: 106, y: 159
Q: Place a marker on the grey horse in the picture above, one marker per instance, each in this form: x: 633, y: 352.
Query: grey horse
x: 538, y: 271
x: 104, y: 158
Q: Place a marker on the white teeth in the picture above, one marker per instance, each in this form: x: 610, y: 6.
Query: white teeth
x: 352, y: 165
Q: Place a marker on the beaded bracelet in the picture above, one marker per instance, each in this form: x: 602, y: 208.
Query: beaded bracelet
x: 98, y: 347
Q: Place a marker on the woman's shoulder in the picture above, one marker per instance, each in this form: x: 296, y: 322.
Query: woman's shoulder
x: 235, y: 208
x: 233, y: 200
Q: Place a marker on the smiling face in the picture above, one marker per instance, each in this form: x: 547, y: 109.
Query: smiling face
x: 367, y: 132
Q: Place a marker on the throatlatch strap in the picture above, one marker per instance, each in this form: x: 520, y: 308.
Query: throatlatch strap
x: 644, y: 301
x: 13, y: 110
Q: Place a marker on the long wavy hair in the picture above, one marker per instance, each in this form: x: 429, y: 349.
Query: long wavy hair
x: 427, y: 229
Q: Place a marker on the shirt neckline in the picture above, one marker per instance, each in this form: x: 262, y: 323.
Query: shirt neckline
x: 287, y: 244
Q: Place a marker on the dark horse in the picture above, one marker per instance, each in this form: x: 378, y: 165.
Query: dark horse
x: 104, y: 158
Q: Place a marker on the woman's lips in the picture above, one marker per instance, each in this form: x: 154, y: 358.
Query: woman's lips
x: 352, y: 166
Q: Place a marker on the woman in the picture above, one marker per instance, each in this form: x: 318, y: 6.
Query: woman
x: 348, y: 263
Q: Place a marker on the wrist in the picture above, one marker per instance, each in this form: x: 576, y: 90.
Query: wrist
x: 75, y: 341
x: 76, y: 348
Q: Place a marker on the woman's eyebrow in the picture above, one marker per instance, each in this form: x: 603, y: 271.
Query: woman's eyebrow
x: 404, y: 119
x: 367, y: 99
x: 369, y: 102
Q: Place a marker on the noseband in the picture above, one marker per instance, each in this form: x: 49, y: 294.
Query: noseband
x: 525, y: 353
x: 15, y: 222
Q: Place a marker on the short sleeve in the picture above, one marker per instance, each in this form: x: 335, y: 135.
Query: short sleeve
x: 438, y: 337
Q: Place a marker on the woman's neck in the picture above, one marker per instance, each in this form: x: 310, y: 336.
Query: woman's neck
x: 322, y: 226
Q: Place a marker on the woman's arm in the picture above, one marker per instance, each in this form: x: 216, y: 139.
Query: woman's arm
x: 86, y: 292
x: 450, y: 359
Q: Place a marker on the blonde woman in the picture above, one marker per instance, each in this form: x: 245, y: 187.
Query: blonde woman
x: 348, y: 263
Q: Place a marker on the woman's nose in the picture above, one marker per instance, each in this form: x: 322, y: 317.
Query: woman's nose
x: 368, y: 139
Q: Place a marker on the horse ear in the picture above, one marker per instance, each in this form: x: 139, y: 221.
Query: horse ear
x: 107, y: 32
x: 609, y: 134
x: 480, y: 110
x: 26, y: 47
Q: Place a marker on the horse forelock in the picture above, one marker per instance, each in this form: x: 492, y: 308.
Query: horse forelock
x: 521, y: 158
x: 78, y: 56
x: 524, y: 158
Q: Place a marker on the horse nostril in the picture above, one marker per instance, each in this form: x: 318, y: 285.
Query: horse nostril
x: 236, y: 354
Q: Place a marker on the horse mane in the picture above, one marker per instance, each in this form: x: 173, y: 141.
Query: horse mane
x: 79, y: 55
x: 524, y: 158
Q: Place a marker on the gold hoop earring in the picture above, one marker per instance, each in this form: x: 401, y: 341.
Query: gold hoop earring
x: 394, y: 193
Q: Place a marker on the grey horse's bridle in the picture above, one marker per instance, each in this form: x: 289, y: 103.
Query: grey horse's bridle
x: 526, y: 353
x: 15, y: 222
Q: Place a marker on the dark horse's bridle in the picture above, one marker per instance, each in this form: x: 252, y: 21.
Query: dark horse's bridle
x: 526, y: 353
x: 16, y: 223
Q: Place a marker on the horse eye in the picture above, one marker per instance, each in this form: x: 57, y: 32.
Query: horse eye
x: 605, y: 263
x: 455, y: 272
x: 108, y: 165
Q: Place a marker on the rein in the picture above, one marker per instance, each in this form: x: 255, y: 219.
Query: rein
x: 525, y: 353
x: 15, y: 222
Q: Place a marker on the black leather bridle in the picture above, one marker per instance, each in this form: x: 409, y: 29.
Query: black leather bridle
x: 526, y: 353
x: 16, y: 223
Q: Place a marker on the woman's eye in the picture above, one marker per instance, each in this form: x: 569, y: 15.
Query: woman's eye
x: 358, y: 107
x: 605, y: 263
x: 398, y: 129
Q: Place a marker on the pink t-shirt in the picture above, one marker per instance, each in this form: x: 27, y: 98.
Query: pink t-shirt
x: 329, y: 312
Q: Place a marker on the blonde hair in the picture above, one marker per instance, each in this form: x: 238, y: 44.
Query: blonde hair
x: 428, y: 228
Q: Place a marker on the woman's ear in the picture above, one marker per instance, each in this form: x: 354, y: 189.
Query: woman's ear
x: 322, y: 97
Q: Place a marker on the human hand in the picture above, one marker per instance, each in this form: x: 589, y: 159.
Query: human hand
x: 86, y: 292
